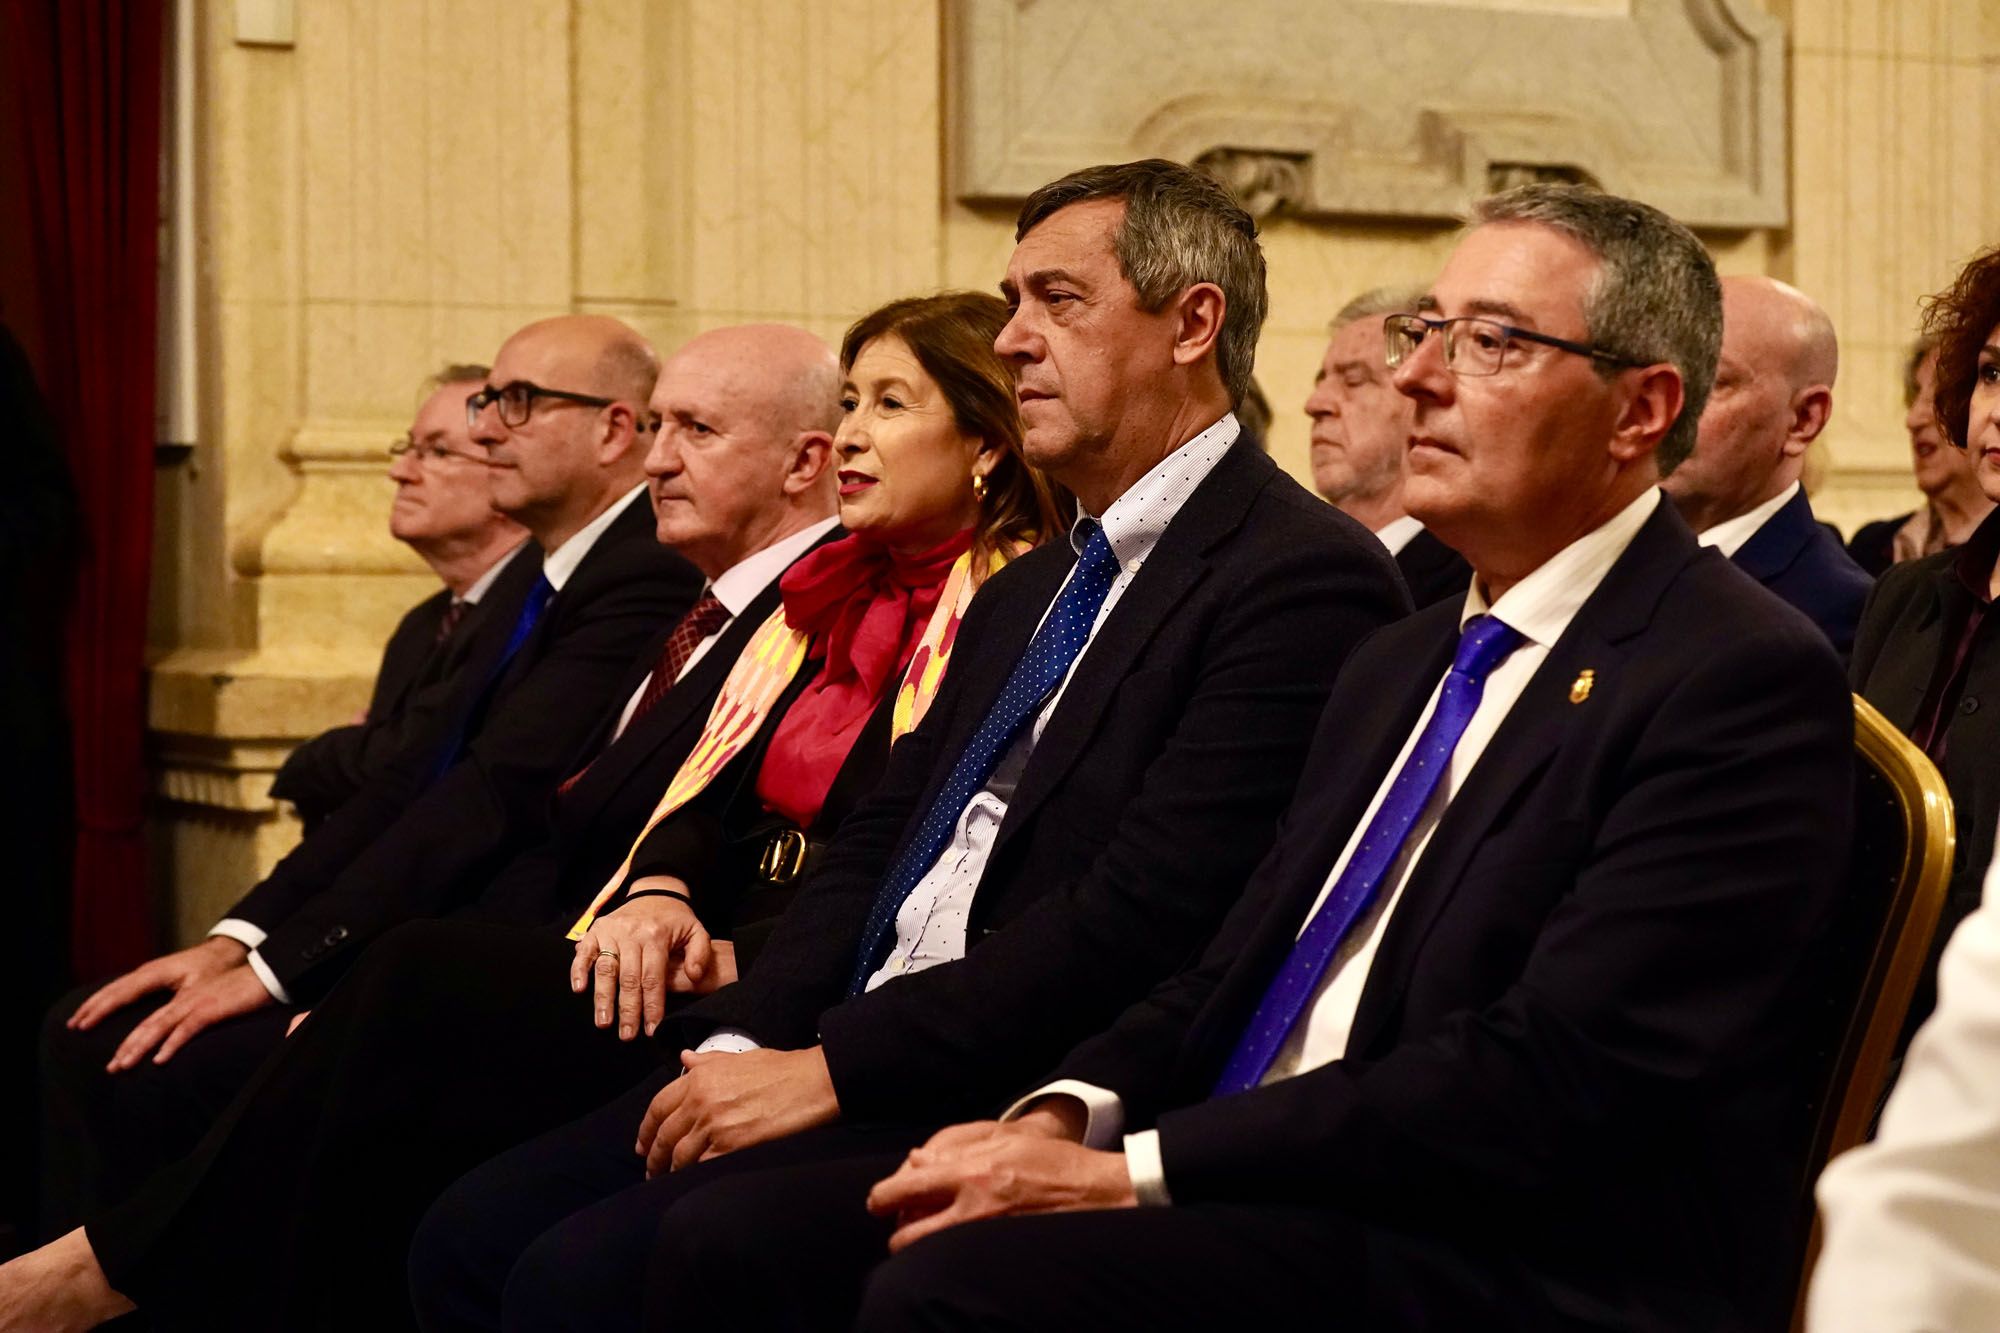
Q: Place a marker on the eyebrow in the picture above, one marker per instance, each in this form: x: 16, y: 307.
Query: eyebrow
x: 881, y: 382
x: 1512, y: 313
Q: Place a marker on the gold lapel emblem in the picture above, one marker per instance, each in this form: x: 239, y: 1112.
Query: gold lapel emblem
x: 1579, y: 689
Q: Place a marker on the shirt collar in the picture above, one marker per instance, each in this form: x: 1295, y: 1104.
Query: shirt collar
x: 1398, y: 532
x: 738, y: 586
x: 1729, y: 535
x: 479, y: 586
x: 1541, y: 605
x: 1134, y: 521
x: 560, y: 563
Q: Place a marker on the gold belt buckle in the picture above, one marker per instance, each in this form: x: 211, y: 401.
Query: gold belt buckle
x: 784, y: 856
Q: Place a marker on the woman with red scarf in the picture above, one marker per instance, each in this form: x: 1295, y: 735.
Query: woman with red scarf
x: 934, y: 496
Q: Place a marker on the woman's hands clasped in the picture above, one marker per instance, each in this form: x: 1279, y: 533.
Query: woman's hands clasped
x: 645, y: 948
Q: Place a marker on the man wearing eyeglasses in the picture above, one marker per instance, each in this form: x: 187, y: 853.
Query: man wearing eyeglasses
x: 443, y: 511
x: 564, y: 428
x: 1510, y: 1030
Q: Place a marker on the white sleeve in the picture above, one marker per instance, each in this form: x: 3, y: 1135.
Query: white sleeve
x: 1148, y: 1173
x: 243, y: 932
x: 1104, y: 1113
x: 734, y: 1040
x: 268, y: 977
x: 1912, y: 1220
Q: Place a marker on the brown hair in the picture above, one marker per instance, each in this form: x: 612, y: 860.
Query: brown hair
x: 1959, y: 320
x: 951, y: 335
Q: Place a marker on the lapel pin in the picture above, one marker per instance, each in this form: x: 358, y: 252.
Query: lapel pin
x: 1579, y: 689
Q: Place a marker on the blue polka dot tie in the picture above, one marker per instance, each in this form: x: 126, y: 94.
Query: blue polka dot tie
x: 1484, y: 645
x: 1055, y: 645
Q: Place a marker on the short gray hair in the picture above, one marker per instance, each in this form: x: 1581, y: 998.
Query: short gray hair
x: 1181, y: 227
x: 1656, y: 297
x: 1395, y: 300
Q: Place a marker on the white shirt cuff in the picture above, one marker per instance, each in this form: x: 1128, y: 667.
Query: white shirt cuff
x: 734, y: 1040
x: 1149, y: 1174
x: 243, y: 932
x: 268, y: 977
x: 1104, y: 1112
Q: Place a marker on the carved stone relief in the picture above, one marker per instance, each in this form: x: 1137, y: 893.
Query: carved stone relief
x: 1380, y: 108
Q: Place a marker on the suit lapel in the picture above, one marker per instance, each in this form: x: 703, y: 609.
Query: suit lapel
x: 1177, y: 563
x: 1532, y: 733
x: 1774, y: 547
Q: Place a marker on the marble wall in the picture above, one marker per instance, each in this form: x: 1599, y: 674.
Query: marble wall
x: 408, y: 180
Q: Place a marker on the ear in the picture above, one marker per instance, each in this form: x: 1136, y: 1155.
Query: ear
x: 1197, y: 323
x: 811, y: 461
x: 618, y: 434
x: 986, y: 460
x: 1812, y: 406
x: 1652, y: 405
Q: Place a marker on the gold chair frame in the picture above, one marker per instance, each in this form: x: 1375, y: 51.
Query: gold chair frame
x: 1861, y: 1066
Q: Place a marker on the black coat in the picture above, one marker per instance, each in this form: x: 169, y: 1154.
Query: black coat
x: 1800, y: 560
x: 1575, y: 1072
x: 411, y: 844
x: 1153, y: 789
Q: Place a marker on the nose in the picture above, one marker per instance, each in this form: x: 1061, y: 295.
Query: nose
x: 664, y: 458
x: 1013, y: 343
x: 1919, y: 414
x: 487, y: 429
x: 1422, y: 372
x: 404, y: 468
x: 1322, y: 401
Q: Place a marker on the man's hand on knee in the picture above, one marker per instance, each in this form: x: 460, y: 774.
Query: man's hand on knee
x: 176, y: 971
x: 726, y: 1100
x: 196, y: 1006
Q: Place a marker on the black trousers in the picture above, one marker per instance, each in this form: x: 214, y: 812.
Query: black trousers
x: 448, y: 1042
x: 104, y: 1134
x: 559, y: 1233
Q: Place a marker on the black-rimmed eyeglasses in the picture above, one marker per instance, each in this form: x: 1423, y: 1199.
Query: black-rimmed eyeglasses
x: 517, y: 401
x: 1475, y: 345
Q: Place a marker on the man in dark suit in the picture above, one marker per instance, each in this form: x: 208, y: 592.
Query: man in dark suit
x: 1506, y: 1031
x: 444, y: 512
x: 564, y: 427
x: 1739, y: 490
x: 1360, y: 432
x: 1123, y: 717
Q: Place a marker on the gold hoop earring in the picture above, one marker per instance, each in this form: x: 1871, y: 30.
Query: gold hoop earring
x: 978, y: 488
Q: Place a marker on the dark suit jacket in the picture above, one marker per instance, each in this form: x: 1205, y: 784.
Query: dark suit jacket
x: 1573, y: 1089
x: 1903, y: 634
x: 326, y: 770
x: 410, y: 844
x: 1873, y: 544
x: 1152, y: 791
x: 1799, y: 560
x: 1434, y: 571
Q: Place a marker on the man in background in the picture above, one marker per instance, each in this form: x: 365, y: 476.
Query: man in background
x: 1360, y: 434
x: 444, y: 512
x: 1739, y: 490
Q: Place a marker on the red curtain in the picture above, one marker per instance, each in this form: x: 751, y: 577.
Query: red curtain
x: 87, y: 73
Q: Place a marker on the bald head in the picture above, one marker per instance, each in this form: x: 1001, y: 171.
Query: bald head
x: 569, y: 457
x: 1773, y: 395
x: 741, y: 461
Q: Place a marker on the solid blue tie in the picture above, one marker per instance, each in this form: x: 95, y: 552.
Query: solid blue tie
x: 1056, y: 644
x: 524, y: 625
x: 1484, y: 645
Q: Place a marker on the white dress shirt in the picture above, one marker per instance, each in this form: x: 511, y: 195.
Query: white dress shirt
x: 1398, y: 533
x: 1911, y: 1221
x: 930, y: 926
x: 737, y: 587
x: 1540, y: 607
x: 1729, y: 535
x: 557, y: 566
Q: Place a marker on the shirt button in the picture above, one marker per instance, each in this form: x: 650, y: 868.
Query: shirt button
x: 1969, y: 704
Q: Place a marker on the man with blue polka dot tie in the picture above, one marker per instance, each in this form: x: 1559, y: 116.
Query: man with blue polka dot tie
x: 1514, y: 1028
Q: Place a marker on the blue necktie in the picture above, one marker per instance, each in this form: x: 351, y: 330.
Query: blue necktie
x: 1056, y: 644
x: 524, y: 625
x: 1484, y: 645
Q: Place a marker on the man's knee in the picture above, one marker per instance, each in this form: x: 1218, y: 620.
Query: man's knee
x: 942, y: 1282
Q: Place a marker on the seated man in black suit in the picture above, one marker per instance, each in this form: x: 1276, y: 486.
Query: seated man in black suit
x: 444, y: 512
x: 1739, y: 490
x: 564, y: 427
x: 1360, y: 433
x: 1508, y: 1030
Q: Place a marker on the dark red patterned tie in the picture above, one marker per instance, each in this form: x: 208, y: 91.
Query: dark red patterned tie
x: 449, y: 621
x: 705, y: 617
